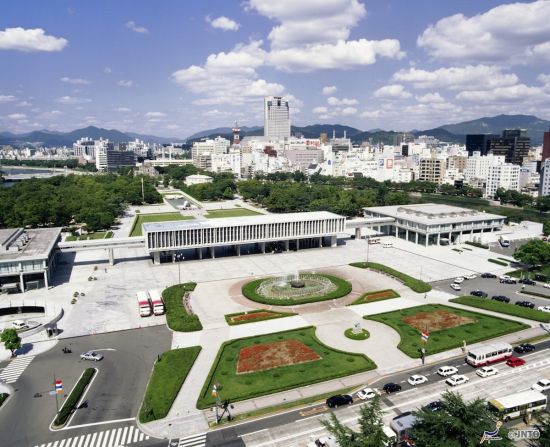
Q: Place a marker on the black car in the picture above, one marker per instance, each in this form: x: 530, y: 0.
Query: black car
x: 524, y: 347
x: 479, y: 293
x: 528, y: 304
x: 488, y: 275
x: 508, y: 281
x: 391, y: 387
x: 436, y: 405
x: 339, y: 400
x: 501, y: 298
x: 527, y: 281
x: 540, y: 277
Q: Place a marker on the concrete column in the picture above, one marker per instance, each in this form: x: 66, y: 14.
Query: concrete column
x: 111, y: 256
x: 320, y: 242
x: 416, y: 237
x: 238, y: 249
x: 262, y: 246
x: 407, y: 235
x: 358, y: 233
x: 396, y: 231
x: 213, y: 252
x: 427, y: 238
x: 287, y: 244
x: 297, y: 244
x: 156, y: 257
x: 22, y: 282
x: 333, y: 241
x: 46, y: 284
x: 200, y: 252
x: 438, y: 238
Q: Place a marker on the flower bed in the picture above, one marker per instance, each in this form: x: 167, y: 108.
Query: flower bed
x: 255, y: 315
x: 378, y: 295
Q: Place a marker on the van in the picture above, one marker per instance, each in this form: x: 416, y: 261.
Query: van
x: 19, y: 324
x: 504, y: 241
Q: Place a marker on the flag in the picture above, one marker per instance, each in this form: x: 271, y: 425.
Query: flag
x: 58, y: 386
x: 425, y: 336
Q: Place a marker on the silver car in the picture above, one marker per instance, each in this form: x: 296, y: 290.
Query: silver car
x: 91, y: 355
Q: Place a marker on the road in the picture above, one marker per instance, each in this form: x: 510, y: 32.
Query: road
x: 114, y: 395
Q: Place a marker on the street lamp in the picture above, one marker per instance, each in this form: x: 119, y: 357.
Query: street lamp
x: 367, y: 240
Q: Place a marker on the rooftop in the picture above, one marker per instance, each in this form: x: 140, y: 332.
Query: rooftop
x: 32, y: 243
x: 238, y: 221
x: 433, y: 213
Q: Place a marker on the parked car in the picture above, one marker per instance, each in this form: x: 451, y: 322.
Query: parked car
x: 366, y: 394
x: 488, y: 275
x: 19, y: 324
x: 544, y: 308
x: 470, y: 276
x: 91, y: 355
x: 509, y: 281
x: 487, y: 371
x: 436, y: 405
x: 339, y: 400
x: 527, y: 282
x: 524, y: 347
x: 542, y: 385
x: 391, y: 387
x: 546, y: 285
x: 501, y: 298
x: 504, y: 277
x: 528, y: 304
x: 515, y: 361
x: 459, y: 280
x: 445, y: 371
x: 479, y: 293
x: 417, y: 379
x: 457, y: 379
x: 455, y: 286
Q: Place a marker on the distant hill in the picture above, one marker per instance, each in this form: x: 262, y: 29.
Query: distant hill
x: 223, y: 131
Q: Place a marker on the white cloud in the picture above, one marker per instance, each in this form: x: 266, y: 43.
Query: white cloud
x: 23, y: 104
x: 123, y: 109
x: 470, y: 77
x: 72, y: 100
x: 131, y: 25
x: 349, y: 111
x: 223, y: 23
x: 318, y: 110
x: 332, y: 101
x: 17, y: 116
x: 75, y: 81
x: 513, y: 93
x: 430, y: 98
x: 509, y: 32
x: 392, y: 91
x: 107, y: 70
x: 155, y: 115
x: 7, y: 98
x: 125, y: 83
x: 21, y: 39
x: 329, y: 90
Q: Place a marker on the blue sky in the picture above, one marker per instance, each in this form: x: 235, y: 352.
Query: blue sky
x: 173, y: 67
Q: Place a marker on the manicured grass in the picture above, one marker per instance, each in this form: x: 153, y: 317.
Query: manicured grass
x: 177, y: 317
x: 378, y: 295
x: 498, y: 262
x: 343, y: 288
x: 484, y: 328
x: 76, y: 393
x: 159, y: 217
x: 544, y: 270
x: 3, y: 398
x: 232, y: 212
x: 168, y: 376
x: 505, y: 308
x: 70, y: 238
x: 253, y: 316
x: 236, y: 387
x: 363, y: 335
x: 416, y: 285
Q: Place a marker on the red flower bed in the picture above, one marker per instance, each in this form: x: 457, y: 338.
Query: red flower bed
x: 379, y: 295
x: 436, y: 320
x: 273, y: 355
x: 252, y: 316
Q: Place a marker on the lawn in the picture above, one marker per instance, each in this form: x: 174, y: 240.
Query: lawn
x: 276, y: 362
x: 505, y: 308
x: 447, y: 326
x: 168, y: 376
x: 416, y: 285
x: 544, y: 270
x: 177, y: 317
x: 377, y: 295
x: 232, y: 212
x: 140, y: 219
x: 253, y: 316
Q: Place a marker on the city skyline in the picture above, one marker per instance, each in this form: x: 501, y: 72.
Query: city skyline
x: 178, y: 68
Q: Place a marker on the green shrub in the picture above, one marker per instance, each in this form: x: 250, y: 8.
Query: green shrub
x: 272, y: 315
x: 505, y: 308
x: 496, y: 261
x: 366, y: 297
x: 416, y: 285
x: 74, y: 397
x: 363, y: 335
x: 3, y: 398
x: 477, y: 244
x: 177, y: 317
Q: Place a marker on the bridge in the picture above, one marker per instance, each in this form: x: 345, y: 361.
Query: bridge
x: 368, y: 222
x: 102, y: 244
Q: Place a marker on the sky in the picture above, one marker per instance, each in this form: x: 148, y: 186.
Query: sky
x: 174, y: 67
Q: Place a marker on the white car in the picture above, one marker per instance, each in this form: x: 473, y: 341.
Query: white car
x: 447, y: 371
x: 91, y: 355
x: 417, y: 379
x: 546, y: 285
x: 459, y: 280
x: 544, y: 308
x: 542, y: 385
x: 455, y: 286
x: 366, y: 394
x: 486, y: 371
x: 504, y: 277
x: 456, y: 380
x: 471, y: 276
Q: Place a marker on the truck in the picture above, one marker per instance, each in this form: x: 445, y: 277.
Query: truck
x: 144, y: 303
x: 504, y: 241
x: 155, y: 296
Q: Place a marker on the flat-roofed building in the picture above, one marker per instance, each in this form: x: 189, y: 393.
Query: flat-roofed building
x: 27, y: 258
x: 307, y: 229
x: 435, y: 224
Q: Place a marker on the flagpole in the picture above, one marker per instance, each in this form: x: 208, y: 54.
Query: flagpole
x: 55, y: 390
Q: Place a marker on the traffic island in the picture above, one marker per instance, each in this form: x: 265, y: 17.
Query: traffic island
x: 353, y: 335
x: 179, y: 314
x: 71, y: 403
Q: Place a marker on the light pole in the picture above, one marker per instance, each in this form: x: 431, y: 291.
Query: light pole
x: 367, y: 240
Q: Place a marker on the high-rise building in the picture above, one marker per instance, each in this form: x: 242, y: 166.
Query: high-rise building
x: 479, y: 143
x: 505, y: 176
x: 84, y: 148
x: 276, y: 117
x: 432, y: 169
x: 546, y: 146
x: 107, y: 159
x: 202, y: 151
x: 514, y: 144
x: 544, y: 186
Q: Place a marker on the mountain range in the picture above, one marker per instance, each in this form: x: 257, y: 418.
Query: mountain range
x: 454, y: 133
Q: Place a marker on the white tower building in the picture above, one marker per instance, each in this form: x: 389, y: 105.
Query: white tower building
x: 276, y: 117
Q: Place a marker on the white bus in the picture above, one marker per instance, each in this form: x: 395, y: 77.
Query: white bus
x: 518, y: 404
x: 489, y: 353
x: 144, y: 303
x: 156, y: 301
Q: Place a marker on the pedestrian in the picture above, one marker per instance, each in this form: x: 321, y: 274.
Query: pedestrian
x: 426, y: 296
x: 105, y: 270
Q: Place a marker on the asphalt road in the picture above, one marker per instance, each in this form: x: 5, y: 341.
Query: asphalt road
x: 231, y: 436
x: 492, y: 286
x: 115, y: 393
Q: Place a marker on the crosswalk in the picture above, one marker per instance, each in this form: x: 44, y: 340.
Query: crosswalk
x: 192, y: 441
x: 116, y: 437
x: 15, y: 368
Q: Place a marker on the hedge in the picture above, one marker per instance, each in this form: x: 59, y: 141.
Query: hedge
x: 363, y: 335
x: 541, y: 295
x: 416, y: 285
x: 272, y: 315
x: 366, y: 297
x: 3, y: 398
x: 343, y: 288
x: 496, y: 261
x: 505, y: 308
x: 477, y: 244
x: 177, y: 317
x: 71, y: 401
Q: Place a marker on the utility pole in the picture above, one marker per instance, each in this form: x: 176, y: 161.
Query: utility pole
x: 367, y: 240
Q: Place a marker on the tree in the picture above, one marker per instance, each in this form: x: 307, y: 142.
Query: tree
x: 544, y: 429
x: 534, y: 252
x: 459, y: 424
x: 11, y: 340
x: 371, y: 433
x: 546, y: 227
